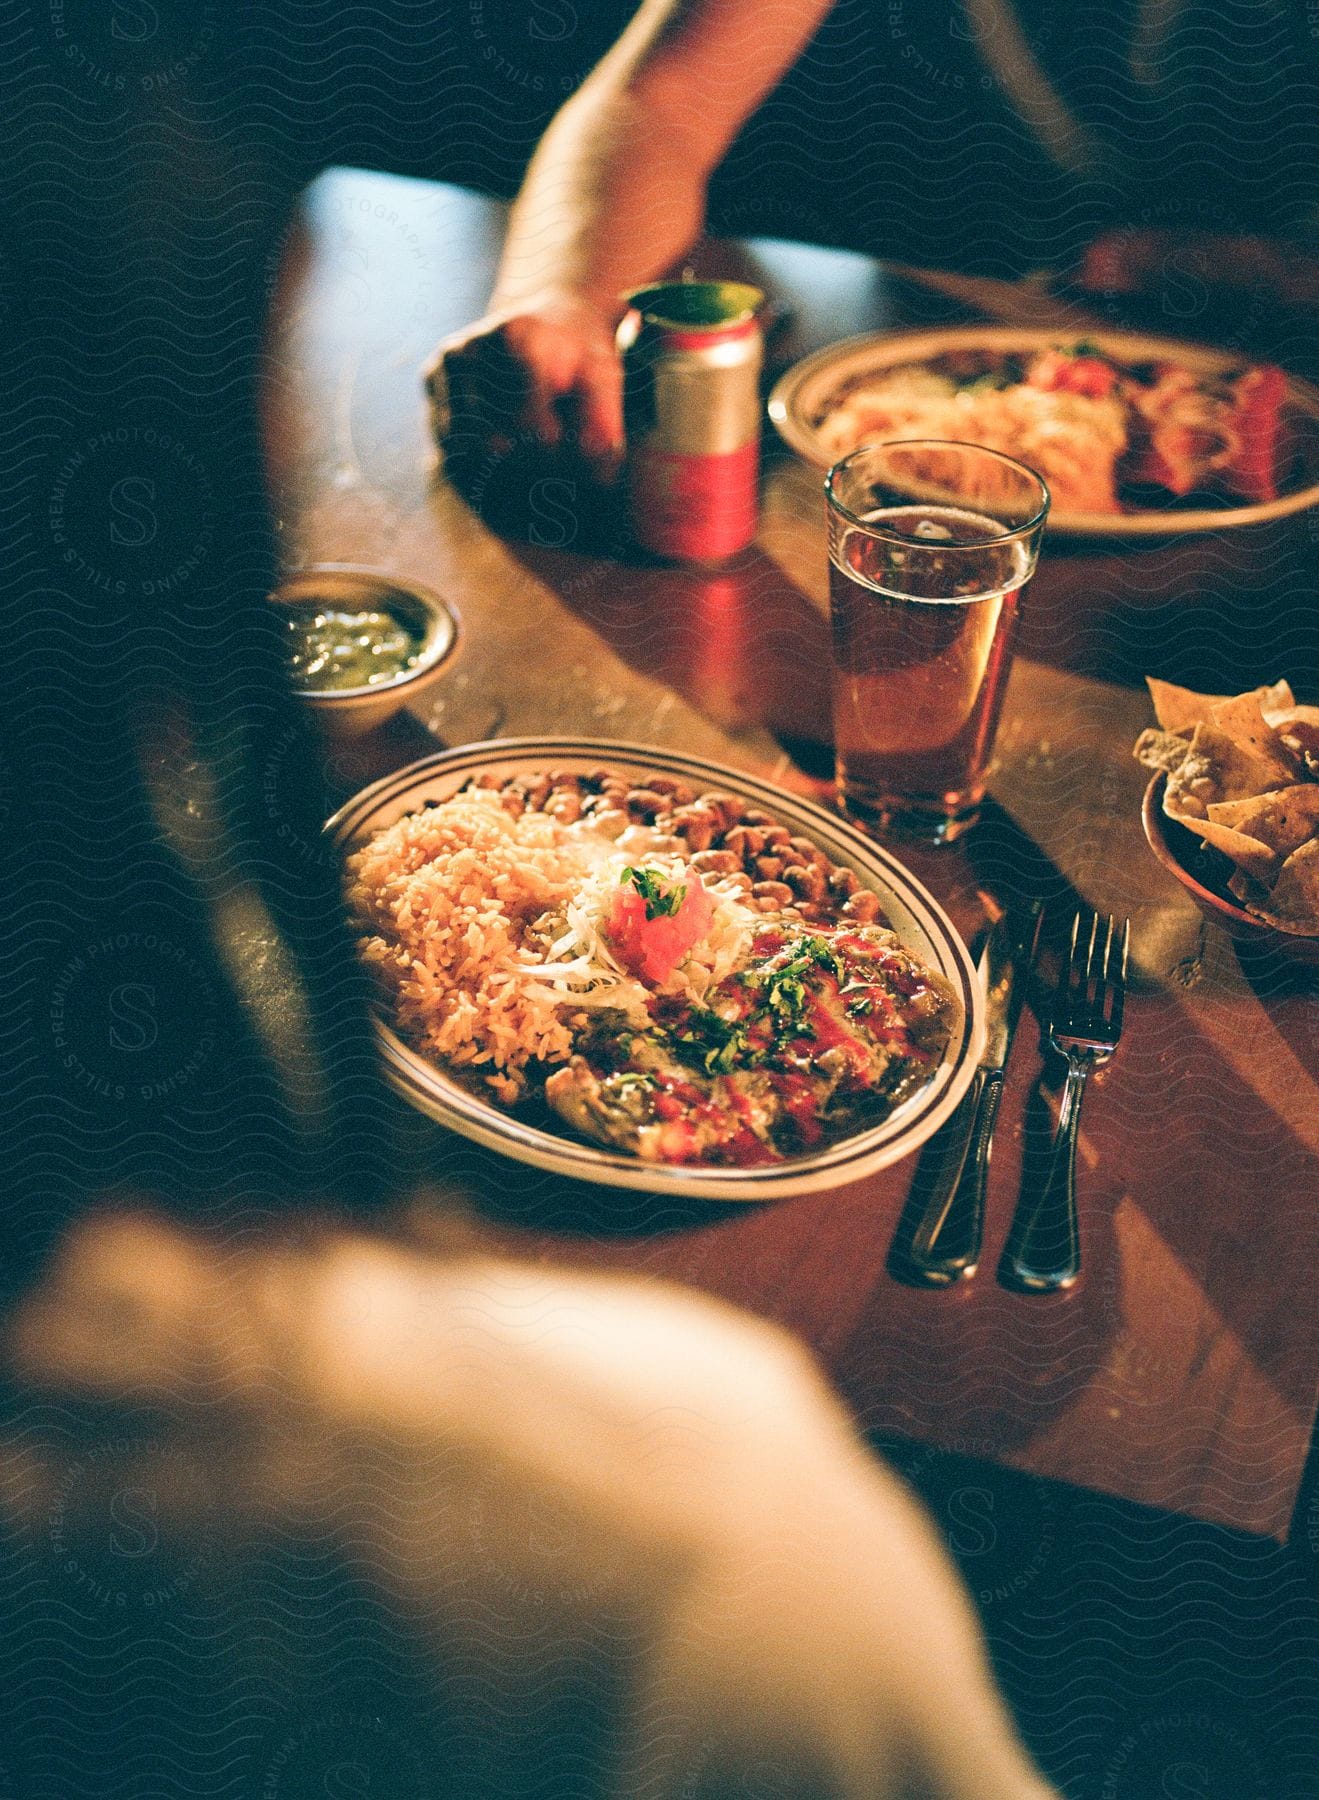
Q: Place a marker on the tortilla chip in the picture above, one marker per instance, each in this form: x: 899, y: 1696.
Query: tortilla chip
x: 1242, y: 720
x: 1177, y: 708
x: 1221, y: 767
x: 1293, y: 715
x: 1161, y: 749
x: 1294, y: 902
x: 1247, y: 853
x: 1284, y: 819
x: 1276, y: 701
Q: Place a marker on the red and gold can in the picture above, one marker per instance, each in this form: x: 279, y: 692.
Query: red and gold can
x: 692, y: 352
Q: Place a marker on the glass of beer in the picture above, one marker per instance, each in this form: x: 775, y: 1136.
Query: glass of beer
x: 930, y: 546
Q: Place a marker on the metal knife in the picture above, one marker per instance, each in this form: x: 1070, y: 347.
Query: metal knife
x: 946, y: 1245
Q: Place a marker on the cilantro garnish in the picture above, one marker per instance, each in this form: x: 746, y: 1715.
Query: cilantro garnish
x: 706, y: 1040
x: 711, y: 1042
x: 661, y: 902
x: 783, y: 985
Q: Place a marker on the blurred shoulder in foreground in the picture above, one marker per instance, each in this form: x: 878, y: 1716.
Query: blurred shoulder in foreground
x: 606, y: 1536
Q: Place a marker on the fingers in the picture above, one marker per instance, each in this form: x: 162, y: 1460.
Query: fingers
x: 600, y: 409
x: 538, y: 415
x: 528, y: 375
x: 482, y: 396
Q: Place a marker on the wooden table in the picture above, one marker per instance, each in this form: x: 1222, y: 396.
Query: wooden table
x: 1182, y: 1371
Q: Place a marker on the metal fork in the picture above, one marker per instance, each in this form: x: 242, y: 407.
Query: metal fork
x: 1043, y: 1252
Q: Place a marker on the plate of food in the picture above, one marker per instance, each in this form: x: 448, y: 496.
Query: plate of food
x: 639, y: 968
x: 1232, y: 808
x: 1134, y: 435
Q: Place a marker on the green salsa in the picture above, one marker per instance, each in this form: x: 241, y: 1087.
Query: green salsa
x: 331, y: 649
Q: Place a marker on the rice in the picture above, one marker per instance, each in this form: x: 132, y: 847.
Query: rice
x: 484, y: 930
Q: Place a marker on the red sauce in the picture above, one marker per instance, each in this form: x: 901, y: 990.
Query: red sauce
x: 744, y: 1150
x: 827, y: 1032
x: 800, y: 1104
x: 700, y: 1130
x: 679, y: 1143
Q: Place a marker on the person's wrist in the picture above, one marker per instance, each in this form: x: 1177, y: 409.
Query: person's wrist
x: 566, y: 302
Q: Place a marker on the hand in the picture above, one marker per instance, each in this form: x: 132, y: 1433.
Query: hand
x: 1189, y: 266
x: 544, y: 369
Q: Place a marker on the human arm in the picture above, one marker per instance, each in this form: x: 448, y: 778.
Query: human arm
x: 614, y: 195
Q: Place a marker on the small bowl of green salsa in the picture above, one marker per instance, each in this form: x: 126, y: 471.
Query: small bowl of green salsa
x: 359, y: 645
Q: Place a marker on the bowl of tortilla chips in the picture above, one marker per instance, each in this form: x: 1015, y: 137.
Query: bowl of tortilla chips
x: 1233, y: 809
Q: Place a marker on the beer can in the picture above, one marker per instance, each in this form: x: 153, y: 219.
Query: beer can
x: 692, y: 352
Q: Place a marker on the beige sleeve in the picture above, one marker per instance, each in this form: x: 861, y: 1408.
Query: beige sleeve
x: 549, y: 1471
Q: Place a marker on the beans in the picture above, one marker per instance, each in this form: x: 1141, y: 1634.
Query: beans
x: 745, y: 841
x: 697, y: 824
x: 775, y: 869
x: 862, y: 908
x: 806, y: 882
x: 716, y: 862
x: 727, y: 809
x: 811, y: 853
x: 645, y: 801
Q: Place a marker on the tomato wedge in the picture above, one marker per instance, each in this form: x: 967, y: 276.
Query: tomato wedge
x: 652, y: 948
x: 1065, y: 372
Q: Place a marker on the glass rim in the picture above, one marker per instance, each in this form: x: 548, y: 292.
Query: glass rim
x: 1005, y: 535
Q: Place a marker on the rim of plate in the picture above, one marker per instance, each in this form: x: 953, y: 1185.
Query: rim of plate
x: 796, y: 394
x: 426, y: 1086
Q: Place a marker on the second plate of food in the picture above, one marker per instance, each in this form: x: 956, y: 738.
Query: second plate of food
x: 691, y: 963
x: 1136, y: 436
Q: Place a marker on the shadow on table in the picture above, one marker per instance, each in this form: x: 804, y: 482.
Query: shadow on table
x: 1218, y: 611
x: 1132, y: 1644
x: 510, y: 1194
x: 1278, y: 979
x: 741, y: 644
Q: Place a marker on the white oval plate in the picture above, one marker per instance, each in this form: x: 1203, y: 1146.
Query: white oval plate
x: 801, y: 397
x: 916, y: 917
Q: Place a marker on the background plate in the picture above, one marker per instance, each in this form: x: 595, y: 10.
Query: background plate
x: 916, y: 917
x: 801, y: 397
